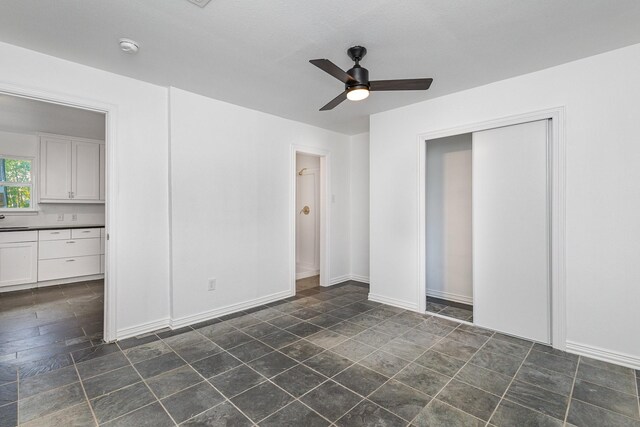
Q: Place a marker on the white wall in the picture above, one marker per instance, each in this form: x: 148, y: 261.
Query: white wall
x: 448, y: 229
x: 601, y: 95
x: 359, y: 205
x: 230, y: 183
x: 142, y: 197
x: 26, y: 145
x: 308, y: 226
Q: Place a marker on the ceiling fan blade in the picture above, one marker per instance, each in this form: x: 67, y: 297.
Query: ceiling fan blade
x: 335, y: 102
x: 331, y: 68
x: 406, y: 84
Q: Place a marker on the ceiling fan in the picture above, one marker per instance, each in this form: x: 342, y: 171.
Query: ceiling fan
x: 356, y: 79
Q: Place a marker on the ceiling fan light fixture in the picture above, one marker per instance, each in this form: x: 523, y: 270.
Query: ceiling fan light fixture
x: 358, y: 94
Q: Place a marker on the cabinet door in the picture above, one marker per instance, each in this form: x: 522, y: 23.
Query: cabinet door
x: 18, y: 263
x: 85, y: 160
x: 55, y: 169
x: 103, y: 177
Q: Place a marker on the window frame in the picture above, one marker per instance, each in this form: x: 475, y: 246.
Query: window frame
x: 33, y: 209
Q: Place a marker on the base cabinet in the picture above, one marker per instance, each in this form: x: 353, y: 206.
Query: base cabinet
x: 70, y: 253
x: 18, y: 259
x: 60, y: 268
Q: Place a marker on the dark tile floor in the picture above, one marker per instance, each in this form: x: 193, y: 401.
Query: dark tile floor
x: 450, y: 309
x: 325, y: 357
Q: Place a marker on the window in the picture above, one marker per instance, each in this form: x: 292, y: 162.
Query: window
x: 16, y: 184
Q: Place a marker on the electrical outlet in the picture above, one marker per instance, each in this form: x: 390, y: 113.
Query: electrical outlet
x: 60, y: 217
x: 74, y: 217
x: 212, y: 284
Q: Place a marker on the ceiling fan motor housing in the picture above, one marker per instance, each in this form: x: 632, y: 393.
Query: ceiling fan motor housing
x: 362, y: 78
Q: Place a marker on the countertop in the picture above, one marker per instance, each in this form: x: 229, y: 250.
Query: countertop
x: 48, y: 227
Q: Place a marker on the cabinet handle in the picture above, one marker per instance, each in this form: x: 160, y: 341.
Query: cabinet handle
x: 87, y: 231
x: 55, y: 232
x: 70, y: 241
x: 70, y: 260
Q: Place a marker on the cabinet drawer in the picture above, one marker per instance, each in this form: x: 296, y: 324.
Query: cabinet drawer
x: 68, y: 248
x: 18, y: 236
x: 85, y: 233
x: 54, y: 235
x: 51, y: 269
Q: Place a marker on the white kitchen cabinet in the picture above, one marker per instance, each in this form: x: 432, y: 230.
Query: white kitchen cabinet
x: 18, y: 258
x: 71, y: 170
x: 69, y: 253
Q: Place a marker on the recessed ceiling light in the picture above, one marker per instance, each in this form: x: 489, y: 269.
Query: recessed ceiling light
x: 129, y: 46
x: 201, y: 3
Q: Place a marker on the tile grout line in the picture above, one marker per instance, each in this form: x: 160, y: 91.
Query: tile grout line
x: 146, y: 385
x: 510, y: 383
x: 573, y: 384
x: 93, y: 414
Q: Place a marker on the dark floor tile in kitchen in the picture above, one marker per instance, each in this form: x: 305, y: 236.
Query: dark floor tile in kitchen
x: 423, y: 379
x: 585, y: 415
x: 331, y: 400
x: 400, y: 399
x: 328, y: 363
x: 384, y: 363
x: 469, y: 399
x: 216, y: 364
x: 8, y: 393
x: 173, y: 381
x: 546, y: 379
x: 439, y: 414
x: 511, y: 414
x: 539, y: 399
x: 484, y: 379
x: 624, y: 382
x: 367, y: 413
x: 360, y: 379
x: 110, y: 381
x: 50, y: 401
x: 280, y: 339
x: 152, y: 415
x: 237, y: 380
x: 100, y: 365
x: 301, y: 350
x: 272, y: 364
x: 192, y: 401
x: 47, y: 381
x: 250, y: 350
x: 299, y: 380
x: 122, y: 401
x: 261, y: 401
x: 158, y: 365
x: 295, y: 414
x: 616, y: 401
x: 500, y: 363
x: 9, y: 415
x: 440, y: 362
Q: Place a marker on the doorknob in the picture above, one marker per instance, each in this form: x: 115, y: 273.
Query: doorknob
x: 305, y: 210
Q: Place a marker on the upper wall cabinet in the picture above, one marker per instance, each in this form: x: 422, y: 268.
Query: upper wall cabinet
x: 71, y: 170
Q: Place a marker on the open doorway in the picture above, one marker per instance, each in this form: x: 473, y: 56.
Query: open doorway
x: 309, y: 219
x: 52, y: 228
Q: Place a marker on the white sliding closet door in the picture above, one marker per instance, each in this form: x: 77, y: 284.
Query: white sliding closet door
x: 511, y: 230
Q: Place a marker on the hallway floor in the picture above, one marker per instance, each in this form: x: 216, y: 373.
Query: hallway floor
x: 328, y: 357
x: 450, y: 309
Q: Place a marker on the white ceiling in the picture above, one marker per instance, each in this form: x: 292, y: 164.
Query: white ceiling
x: 255, y: 53
x: 23, y: 115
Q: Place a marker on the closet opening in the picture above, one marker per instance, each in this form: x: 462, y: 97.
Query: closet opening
x: 487, y: 205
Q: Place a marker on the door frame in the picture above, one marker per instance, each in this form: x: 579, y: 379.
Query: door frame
x: 325, y: 212
x: 111, y: 166
x: 557, y: 197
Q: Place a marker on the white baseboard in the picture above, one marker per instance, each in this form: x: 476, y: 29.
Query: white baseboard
x: 339, y: 279
x: 358, y: 278
x: 143, y: 328
x: 394, y: 302
x: 55, y: 282
x: 305, y: 274
x: 450, y: 296
x: 604, y: 355
x: 233, y: 308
